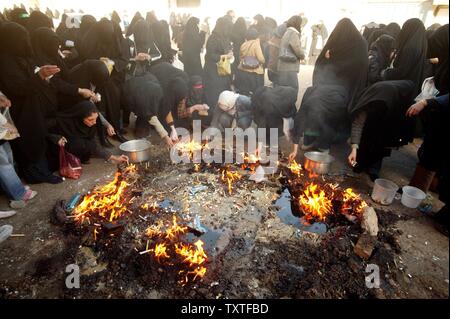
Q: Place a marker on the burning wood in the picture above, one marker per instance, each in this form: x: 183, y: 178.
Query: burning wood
x: 230, y: 177
x: 318, y: 201
x: 105, y: 203
x: 170, y: 250
x: 314, y: 203
x: 189, y: 149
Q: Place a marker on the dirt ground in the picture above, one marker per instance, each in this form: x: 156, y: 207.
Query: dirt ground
x: 252, y: 253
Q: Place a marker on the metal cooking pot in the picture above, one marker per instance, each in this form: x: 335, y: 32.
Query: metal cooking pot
x: 138, y: 151
x: 318, y: 163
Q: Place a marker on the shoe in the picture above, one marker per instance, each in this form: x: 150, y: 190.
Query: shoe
x: 7, y: 214
x: 53, y: 179
x: 120, y: 138
x: 20, y: 204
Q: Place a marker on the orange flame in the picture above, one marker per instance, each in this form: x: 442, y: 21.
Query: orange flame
x: 314, y: 203
x: 175, y: 230
x: 295, y: 168
x: 192, y: 256
x: 229, y: 178
x: 106, y: 202
x: 352, y: 201
x: 160, y: 251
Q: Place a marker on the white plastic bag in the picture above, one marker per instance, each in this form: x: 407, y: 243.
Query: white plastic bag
x: 429, y: 90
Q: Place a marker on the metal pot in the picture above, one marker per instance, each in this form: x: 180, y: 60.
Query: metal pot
x: 318, y: 163
x: 138, y: 151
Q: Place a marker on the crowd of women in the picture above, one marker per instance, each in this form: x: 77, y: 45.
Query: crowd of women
x: 76, y: 87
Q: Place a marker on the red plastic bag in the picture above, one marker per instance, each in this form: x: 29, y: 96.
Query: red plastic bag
x: 69, y: 165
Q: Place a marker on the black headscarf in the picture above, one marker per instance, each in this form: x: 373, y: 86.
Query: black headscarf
x: 101, y: 41
x: 411, y: 54
x: 19, y: 16
x: 196, y: 90
x: 393, y: 29
x: 191, y: 34
x: 295, y: 22
x: 260, y: 23
x: 279, y: 101
x: 69, y: 122
x: 161, y: 32
x: 143, y: 95
x: 238, y: 33
x: 348, y: 64
x: 143, y: 36
x: 384, y: 45
x: 439, y: 49
x: 39, y: 20
x: 252, y: 34
x: 374, y: 36
x: 271, y: 24
x: 90, y: 71
x: 87, y: 22
x: 115, y: 17
x: 137, y: 17
x: 15, y: 41
x: 46, y: 44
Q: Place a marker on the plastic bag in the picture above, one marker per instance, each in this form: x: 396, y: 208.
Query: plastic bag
x: 224, y: 66
x: 429, y: 90
x: 8, y: 130
x: 69, y: 165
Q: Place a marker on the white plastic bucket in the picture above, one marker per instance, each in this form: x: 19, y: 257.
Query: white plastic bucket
x: 384, y: 191
x: 412, y: 197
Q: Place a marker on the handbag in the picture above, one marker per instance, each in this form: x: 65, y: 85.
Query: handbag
x: 224, y: 66
x: 69, y: 164
x: 287, y: 55
x: 250, y: 63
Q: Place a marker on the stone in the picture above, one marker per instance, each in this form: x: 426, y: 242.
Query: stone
x: 365, y: 246
x: 369, y: 222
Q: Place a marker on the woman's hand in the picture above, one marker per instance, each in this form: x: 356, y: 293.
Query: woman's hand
x: 48, y: 70
x: 85, y: 93
x: 294, y: 153
x: 143, y: 57
x: 62, y: 141
x: 352, y: 157
x: 328, y: 54
x: 96, y: 98
x: 110, y: 130
x: 168, y: 141
x: 416, y: 108
x: 4, y: 101
x: 174, y: 135
x: 119, y: 159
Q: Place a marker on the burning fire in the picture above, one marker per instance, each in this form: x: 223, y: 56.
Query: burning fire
x: 190, y: 148
x: 229, y: 177
x: 106, y: 202
x: 172, y: 249
x: 251, y: 162
x: 314, y: 203
x: 352, y: 202
x: 295, y: 168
